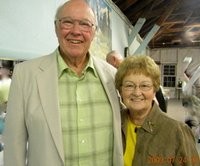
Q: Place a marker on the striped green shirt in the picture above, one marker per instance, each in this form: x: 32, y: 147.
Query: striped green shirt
x: 86, y: 117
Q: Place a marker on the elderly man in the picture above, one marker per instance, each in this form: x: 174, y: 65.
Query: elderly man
x: 63, y: 108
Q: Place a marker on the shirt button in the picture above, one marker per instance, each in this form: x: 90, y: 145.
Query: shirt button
x: 81, y: 120
x: 83, y: 141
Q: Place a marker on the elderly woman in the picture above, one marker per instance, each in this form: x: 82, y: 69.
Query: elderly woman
x: 150, y: 137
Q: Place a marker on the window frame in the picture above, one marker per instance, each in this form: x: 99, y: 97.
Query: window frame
x: 169, y: 75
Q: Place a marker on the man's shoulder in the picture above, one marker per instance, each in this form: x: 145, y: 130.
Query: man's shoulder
x: 101, y: 62
x: 34, y: 63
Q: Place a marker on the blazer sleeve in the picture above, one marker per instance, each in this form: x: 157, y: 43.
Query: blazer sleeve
x: 15, y: 134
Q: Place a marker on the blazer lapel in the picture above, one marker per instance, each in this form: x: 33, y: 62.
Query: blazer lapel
x: 107, y: 76
x: 48, y: 91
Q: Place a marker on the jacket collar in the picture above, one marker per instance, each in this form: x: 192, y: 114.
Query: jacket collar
x: 151, y: 122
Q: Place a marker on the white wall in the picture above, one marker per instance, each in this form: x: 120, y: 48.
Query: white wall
x: 176, y: 56
x: 119, y: 33
x: 27, y: 28
x: 121, y: 26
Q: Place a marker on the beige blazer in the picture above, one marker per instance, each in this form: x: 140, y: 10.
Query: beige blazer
x: 33, y: 114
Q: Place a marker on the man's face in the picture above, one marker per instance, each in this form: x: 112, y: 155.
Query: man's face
x: 75, y: 29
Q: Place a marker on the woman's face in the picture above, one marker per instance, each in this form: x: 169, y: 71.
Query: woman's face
x: 137, y: 93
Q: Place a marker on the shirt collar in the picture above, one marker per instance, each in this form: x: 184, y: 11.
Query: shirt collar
x: 62, y: 66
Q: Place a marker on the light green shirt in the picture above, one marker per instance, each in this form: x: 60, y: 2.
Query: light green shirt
x: 86, y: 117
